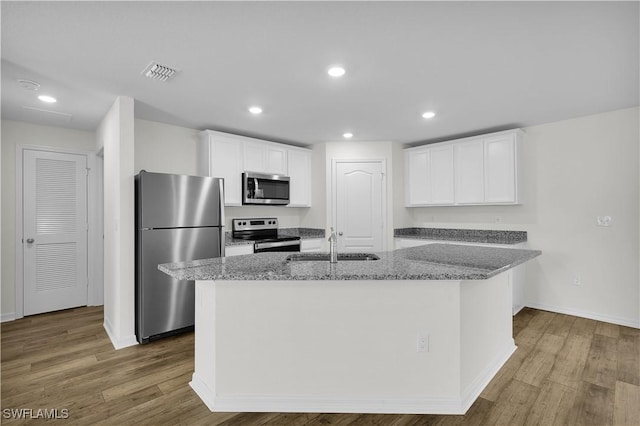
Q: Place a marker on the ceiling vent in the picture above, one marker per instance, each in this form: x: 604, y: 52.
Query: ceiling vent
x: 29, y: 85
x: 159, y: 72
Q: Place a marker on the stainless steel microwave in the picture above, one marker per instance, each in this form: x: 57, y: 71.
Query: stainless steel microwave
x: 260, y: 188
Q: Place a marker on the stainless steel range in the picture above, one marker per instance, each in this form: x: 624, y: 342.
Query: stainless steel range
x: 264, y: 233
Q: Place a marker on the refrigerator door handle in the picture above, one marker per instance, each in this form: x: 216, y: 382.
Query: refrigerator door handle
x: 222, y: 220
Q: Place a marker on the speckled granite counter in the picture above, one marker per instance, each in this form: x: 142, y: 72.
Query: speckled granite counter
x: 303, y: 233
x: 430, y: 262
x: 463, y: 235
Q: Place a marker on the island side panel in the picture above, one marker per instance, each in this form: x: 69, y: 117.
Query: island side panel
x: 333, y: 346
x: 203, y: 378
x: 486, y: 332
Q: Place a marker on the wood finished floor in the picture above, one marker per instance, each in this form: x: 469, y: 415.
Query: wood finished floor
x: 566, y: 371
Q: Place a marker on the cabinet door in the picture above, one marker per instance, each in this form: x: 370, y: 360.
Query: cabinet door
x: 441, y: 176
x: 254, y: 157
x: 500, y: 173
x: 300, y: 173
x: 276, y: 160
x: 469, y: 172
x: 310, y: 245
x: 226, y: 162
x: 417, y: 192
x: 238, y: 250
x: 264, y: 157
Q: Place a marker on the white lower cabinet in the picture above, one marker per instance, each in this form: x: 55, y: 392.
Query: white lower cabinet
x: 238, y: 250
x: 400, y: 243
x: 312, y: 244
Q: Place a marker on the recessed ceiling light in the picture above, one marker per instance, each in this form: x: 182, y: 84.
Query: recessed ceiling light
x: 47, y: 99
x: 347, y: 135
x: 336, y: 71
x: 255, y: 110
x: 429, y: 114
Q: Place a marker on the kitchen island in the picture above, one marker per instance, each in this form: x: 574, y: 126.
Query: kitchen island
x: 421, y: 330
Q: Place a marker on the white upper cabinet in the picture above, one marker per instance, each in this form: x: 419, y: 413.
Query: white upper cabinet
x: 299, y: 170
x: 500, y: 166
x: 227, y: 156
x: 416, y: 171
x: 265, y: 157
x: 441, y: 166
x: 429, y: 176
x: 478, y: 170
x: 220, y: 155
x: 469, y: 172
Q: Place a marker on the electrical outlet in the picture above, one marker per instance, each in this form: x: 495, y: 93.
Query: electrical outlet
x: 604, y: 220
x: 576, y: 280
x: 498, y: 219
x: 422, y: 342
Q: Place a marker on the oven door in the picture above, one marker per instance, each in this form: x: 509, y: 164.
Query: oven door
x: 293, y: 245
x: 258, y: 188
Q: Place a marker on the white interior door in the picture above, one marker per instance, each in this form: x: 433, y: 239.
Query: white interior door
x: 359, y: 217
x: 54, y: 231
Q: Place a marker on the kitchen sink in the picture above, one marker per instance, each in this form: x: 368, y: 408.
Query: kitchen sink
x: 297, y: 257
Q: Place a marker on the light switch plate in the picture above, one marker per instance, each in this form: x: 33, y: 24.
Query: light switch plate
x: 604, y: 220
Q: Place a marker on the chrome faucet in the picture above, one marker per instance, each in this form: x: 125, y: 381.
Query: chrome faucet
x: 333, y: 247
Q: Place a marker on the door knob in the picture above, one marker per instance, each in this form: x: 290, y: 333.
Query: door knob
x: 30, y: 240
x: 340, y: 233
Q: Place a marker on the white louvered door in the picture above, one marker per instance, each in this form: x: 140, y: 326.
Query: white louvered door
x: 54, y: 231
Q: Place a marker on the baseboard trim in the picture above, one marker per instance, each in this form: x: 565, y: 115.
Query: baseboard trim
x: 325, y: 404
x: 11, y: 316
x: 118, y: 343
x: 475, y: 388
x: 628, y: 322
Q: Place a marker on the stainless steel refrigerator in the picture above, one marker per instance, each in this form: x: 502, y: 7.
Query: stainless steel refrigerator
x: 178, y: 218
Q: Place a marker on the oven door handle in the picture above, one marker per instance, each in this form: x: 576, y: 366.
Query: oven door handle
x: 260, y: 246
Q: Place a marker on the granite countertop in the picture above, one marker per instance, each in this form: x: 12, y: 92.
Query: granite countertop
x: 484, y: 236
x: 429, y: 262
x: 303, y: 233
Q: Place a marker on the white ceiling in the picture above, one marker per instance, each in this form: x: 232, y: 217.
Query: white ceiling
x: 480, y: 66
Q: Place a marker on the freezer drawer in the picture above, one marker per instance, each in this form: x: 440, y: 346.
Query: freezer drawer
x: 163, y: 304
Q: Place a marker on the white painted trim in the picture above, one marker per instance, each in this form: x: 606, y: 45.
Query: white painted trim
x: 95, y: 240
x: 334, y: 192
x: 118, y: 343
x: 11, y: 316
x: 628, y: 322
x: 475, y: 388
x: 347, y: 404
x: 91, y: 260
x: 324, y: 403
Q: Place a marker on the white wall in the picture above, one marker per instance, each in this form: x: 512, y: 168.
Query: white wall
x: 574, y: 170
x: 20, y: 133
x: 164, y: 148
x: 116, y: 135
